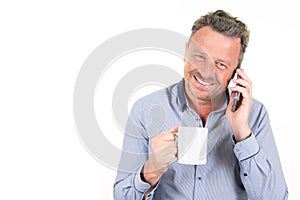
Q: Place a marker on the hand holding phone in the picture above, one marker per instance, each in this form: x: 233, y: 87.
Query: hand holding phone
x: 239, y: 108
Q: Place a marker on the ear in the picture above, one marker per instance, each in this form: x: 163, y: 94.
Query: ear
x: 233, y: 73
x: 239, y: 66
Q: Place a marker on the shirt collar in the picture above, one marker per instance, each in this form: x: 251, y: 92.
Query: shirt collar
x: 181, y: 94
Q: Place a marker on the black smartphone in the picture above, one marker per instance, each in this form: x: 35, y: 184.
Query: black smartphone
x: 236, y: 95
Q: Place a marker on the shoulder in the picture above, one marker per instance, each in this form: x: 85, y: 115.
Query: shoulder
x: 258, y: 108
x: 259, y: 117
x: 162, y: 97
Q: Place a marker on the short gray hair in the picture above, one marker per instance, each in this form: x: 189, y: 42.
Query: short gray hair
x: 227, y: 25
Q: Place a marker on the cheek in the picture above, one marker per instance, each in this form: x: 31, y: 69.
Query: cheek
x: 187, y: 69
x: 226, y: 79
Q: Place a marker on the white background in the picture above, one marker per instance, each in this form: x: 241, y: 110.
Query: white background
x: 42, y: 48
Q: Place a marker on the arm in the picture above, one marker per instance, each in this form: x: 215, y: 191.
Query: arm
x: 260, y: 168
x: 128, y: 184
x: 144, y: 159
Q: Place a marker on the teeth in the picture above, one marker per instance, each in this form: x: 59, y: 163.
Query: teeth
x: 202, y: 82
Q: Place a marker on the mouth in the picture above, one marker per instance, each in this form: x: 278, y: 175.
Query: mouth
x: 202, y: 82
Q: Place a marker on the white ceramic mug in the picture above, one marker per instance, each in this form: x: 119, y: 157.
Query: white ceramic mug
x: 192, y: 145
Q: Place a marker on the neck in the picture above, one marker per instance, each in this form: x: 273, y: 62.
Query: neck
x: 204, y: 107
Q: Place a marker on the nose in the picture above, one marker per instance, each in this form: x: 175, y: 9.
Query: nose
x: 206, y: 68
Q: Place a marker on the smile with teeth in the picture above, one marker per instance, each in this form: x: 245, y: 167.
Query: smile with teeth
x: 202, y: 82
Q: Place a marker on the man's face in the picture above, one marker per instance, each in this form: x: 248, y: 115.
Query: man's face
x: 210, y: 61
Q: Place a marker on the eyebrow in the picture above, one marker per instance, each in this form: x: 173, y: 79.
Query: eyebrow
x: 201, y: 52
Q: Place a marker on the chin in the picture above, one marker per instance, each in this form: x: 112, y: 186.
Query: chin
x: 199, y: 95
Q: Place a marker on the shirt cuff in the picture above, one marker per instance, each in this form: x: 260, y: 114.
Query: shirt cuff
x: 142, y: 186
x: 246, y: 148
x: 139, y: 184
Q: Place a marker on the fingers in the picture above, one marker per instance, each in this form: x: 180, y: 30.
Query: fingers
x: 244, y: 91
x: 231, y: 100
x: 168, y: 135
x: 243, y: 85
x: 164, y: 155
x: 243, y: 79
x: 163, y: 152
x: 169, y: 147
x: 174, y: 129
x: 243, y: 75
x: 160, y: 145
x: 165, y: 144
x: 163, y: 139
x: 169, y: 153
x: 239, y: 120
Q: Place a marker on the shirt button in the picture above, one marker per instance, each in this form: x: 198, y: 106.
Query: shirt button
x: 199, y: 178
x: 245, y: 174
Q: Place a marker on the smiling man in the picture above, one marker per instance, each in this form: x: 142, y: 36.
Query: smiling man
x: 242, y: 159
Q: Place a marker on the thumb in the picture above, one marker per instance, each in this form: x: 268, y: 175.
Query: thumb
x: 174, y: 129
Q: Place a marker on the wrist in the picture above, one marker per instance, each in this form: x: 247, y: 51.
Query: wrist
x: 142, y: 175
x: 150, y: 176
x: 242, y: 135
x: 239, y: 138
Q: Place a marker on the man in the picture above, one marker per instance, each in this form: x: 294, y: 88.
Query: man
x: 242, y: 159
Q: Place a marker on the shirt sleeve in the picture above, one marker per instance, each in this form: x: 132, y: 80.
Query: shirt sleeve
x: 135, y: 153
x: 260, y: 168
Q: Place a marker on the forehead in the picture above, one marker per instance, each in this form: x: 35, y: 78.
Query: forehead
x: 216, y: 45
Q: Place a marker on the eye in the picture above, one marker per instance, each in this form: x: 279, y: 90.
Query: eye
x: 199, y: 57
x: 222, y: 66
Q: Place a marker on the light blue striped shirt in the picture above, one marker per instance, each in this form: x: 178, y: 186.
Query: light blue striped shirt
x: 249, y: 169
